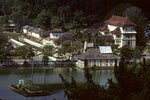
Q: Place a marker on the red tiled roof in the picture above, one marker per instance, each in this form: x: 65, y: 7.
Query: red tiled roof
x: 119, y: 21
x: 104, y: 28
x: 116, y: 31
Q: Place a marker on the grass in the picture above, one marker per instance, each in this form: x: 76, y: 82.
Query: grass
x: 31, y: 87
x: 16, y: 57
x: 12, y: 35
x: 147, y: 49
x: 51, y: 87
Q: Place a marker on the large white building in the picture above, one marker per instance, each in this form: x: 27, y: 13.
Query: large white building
x: 122, y: 29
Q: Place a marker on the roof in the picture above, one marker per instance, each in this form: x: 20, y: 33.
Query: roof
x: 119, y: 21
x: 57, y: 30
x: 104, y: 28
x: 116, y: 31
x: 26, y: 26
x: 94, y: 53
x: 36, y: 30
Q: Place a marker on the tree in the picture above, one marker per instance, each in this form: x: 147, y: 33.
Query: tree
x: 43, y: 19
x: 46, y: 52
x: 143, y: 24
x: 125, y: 52
x: 87, y: 91
x: 26, y: 52
x: 82, y: 35
x: 67, y: 50
x: 4, y: 46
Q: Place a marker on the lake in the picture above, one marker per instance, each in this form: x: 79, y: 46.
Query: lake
x: 11, y: 75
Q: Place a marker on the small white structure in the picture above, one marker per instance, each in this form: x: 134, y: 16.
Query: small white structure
x: 47, y: 42
x: 122, y: 30
x: 101, y: 57
x: 21, y: 81
x: 56, y: 33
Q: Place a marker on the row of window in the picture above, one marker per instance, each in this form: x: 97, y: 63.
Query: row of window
x: 101, y: 64
x: 128, y: 28
x: 100, y: 60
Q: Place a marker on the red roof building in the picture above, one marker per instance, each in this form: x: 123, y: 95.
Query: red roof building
x: 122, y: 30
x: 119, y: 21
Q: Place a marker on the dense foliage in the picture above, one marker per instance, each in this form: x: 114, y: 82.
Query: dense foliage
x: 132, y: 83
x: 72, y: 14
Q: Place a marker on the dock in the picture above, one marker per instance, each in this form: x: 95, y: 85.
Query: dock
x: 29, y: 90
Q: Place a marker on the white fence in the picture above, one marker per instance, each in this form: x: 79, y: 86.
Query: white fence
x: 15, y: 42
x: 33, y: 43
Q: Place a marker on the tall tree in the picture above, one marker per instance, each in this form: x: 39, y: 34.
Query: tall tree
x: 143, y: 24
x: 46, y: 52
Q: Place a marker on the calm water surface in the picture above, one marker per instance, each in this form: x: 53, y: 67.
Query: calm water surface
x: 11, y: 75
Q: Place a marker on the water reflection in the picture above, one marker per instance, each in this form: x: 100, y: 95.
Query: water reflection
x: 11, y: 75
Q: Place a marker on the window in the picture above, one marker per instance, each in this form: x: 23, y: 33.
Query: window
x: 118, y: 41
x: 117, y: 36
x: 106, y: 61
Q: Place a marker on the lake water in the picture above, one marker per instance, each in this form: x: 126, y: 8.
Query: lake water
x: 11, y: 75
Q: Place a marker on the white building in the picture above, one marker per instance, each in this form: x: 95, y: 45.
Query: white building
x: 35, y: 32
x: 56, y: 33
x: 101, y: 58
x: 122, y: 30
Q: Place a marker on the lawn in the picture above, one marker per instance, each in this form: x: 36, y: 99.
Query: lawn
x: 12, y: 35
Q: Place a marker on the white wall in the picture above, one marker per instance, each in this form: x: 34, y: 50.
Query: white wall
x: 55, y: 35
x: 48, y: 42
x: 97, y: 62
x: 25, y: 31
x: 36, y: 35
x: 111, y: 27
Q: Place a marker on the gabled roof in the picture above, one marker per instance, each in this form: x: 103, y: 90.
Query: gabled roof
x: 119, y: 21
x: 116, y: 31
x: 57, y: 30
x: 94, y: 53
x: 104, y: 28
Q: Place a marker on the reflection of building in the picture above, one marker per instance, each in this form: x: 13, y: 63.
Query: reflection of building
x: 101, y: 57
x: 122, y: 30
